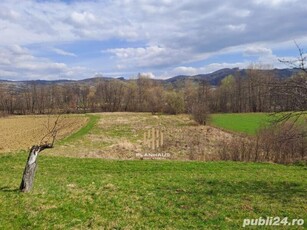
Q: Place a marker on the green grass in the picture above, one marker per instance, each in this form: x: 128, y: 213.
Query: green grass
x: 93, y: 119
x: 247, y: 123
x: 94, y: 193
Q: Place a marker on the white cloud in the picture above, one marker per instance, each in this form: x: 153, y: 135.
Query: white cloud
x: 257, y: 51
x: 63, y: 52
x: 151, y: 56
x: 274, y: 2
x: 8, y: 14
x: 21, y: 64
x: 162, y: 22
x: 140, y: 52
x: 184, y: 70
x: 148, y: 75
x: 163, y: 33
x: 236, y: 28
x: 18, y: 50
x: 83, y: 19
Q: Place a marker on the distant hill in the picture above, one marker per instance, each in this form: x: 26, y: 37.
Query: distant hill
x: 87, y: 81
x: 39, y: 82
x: 216, y: 77
x: 213, y: 78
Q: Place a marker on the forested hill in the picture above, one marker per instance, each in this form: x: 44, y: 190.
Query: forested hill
x: 213, y: 78
x: 216, y: 77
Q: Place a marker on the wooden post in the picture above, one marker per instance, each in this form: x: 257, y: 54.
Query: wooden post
x: 161, y: 139
x: 153, y: 139
x: 157, y: 138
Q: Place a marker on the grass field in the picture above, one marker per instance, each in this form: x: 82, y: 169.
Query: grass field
x: 74, y: 193
x: 247, y: 123
x: 85, y: 193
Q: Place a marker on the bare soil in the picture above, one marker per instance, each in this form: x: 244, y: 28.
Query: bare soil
x: 21, y: 132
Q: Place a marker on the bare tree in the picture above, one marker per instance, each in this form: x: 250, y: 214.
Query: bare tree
x: 174, y: 102
x: 299, y: 62
x: 200, y: 107
x: 46, y: 142
x: 295, y: 89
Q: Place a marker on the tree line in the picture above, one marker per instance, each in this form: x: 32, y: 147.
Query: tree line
x: 255, y: 91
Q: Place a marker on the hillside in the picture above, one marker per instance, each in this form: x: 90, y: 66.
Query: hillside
x: 216, y: 77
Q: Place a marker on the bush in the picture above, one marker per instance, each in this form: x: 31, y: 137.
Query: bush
x: 282, y: 143
x: 200, y: 114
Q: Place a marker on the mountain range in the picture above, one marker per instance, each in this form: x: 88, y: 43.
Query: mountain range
x: 213, y: 78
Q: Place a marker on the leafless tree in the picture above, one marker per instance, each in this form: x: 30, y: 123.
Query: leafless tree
x: 295, y: 88
x: 200, y: 107
x: 299, y: 62
x: 46, y: 142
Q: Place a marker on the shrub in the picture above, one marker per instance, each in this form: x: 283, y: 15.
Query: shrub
x: 200, y: 113
x: 282, y: 143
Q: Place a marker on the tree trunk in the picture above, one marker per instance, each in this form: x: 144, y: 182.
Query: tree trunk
x: 30, y: 168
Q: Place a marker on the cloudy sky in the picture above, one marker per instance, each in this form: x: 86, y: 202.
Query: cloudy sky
x: 76, y: 39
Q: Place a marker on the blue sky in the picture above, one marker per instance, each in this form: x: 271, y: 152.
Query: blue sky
x: 160, y: 38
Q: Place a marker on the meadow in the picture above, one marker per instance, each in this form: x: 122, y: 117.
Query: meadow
x: 74, y: 193
x: 94, y: 179
x: 247, y: 123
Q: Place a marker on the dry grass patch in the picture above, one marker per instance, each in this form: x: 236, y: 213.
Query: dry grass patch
x: 121, y: 135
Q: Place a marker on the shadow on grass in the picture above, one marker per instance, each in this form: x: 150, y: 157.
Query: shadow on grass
x: 8, y: 189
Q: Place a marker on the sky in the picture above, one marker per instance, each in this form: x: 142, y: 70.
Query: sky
x: 77, y: 39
